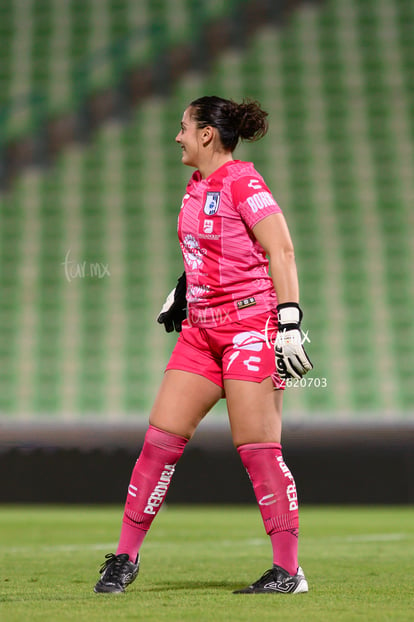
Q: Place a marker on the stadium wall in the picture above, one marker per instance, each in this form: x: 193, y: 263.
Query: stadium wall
x: 332, y: 463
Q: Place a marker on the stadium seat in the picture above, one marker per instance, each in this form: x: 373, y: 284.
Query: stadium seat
x: 337, y: 80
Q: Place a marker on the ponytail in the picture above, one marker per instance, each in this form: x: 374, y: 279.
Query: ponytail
x: 234, y: 122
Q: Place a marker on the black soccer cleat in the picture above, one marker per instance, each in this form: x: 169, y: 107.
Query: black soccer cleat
x: 277, y: 581
x: 117, y: 572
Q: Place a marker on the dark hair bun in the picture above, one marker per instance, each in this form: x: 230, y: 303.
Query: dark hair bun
x: 251, y: 120
x: 246, y: 121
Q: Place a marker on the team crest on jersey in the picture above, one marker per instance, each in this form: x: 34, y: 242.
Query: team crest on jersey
x: 212, y: 203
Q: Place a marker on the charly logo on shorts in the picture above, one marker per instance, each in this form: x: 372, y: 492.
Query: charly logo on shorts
x: 212, y: 203
x: 252, y: 341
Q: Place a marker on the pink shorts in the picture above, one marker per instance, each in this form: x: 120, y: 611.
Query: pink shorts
x: 237, y: 350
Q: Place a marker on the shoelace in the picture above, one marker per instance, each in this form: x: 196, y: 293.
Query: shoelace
x: 265, y: 575
x: 114, y: 563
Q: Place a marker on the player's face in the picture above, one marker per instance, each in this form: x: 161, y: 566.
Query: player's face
x: 189, y: 139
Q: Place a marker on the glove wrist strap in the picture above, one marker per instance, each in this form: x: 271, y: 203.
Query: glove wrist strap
x: 289, y: 313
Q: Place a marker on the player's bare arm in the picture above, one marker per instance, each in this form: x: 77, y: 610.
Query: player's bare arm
x: 273, y: 235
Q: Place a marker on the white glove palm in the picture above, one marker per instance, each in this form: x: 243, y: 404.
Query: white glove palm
x: 291, y: 358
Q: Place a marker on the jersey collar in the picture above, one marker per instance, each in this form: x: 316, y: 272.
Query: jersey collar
x: 217, y: 175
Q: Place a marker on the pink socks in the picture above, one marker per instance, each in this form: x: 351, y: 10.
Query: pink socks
x: 148, y: 487
x: 272, y: 481
x: 275, y: 492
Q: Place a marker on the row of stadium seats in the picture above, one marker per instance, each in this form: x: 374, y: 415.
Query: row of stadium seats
x: 88, y: 249
x: 52, y: 50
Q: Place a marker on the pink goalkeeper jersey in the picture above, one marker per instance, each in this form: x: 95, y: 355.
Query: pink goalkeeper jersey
x: 226, y: 268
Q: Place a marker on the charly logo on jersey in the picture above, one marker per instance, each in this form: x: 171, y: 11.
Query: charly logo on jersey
x: 212, y: 203
x: 255, y: 184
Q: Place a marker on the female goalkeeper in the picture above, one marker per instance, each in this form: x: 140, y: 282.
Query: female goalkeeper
x: 240, y: 339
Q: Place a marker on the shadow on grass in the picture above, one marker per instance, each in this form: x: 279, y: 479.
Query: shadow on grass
x: 134, y: 591
x: 227, y: 586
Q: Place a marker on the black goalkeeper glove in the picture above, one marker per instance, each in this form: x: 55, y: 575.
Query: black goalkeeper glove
x: 291, y: 358
x: 174, y: 309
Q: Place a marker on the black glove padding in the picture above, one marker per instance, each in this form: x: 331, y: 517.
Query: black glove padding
x: 291, y: 358
x: 174, y: 309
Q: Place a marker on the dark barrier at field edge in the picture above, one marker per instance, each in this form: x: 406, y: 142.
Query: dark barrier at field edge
x: 85, y: 464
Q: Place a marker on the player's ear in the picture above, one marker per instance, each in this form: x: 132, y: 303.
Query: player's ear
x: 207, y: 134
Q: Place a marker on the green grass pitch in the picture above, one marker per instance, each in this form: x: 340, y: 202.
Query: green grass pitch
x: 359, y: 563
